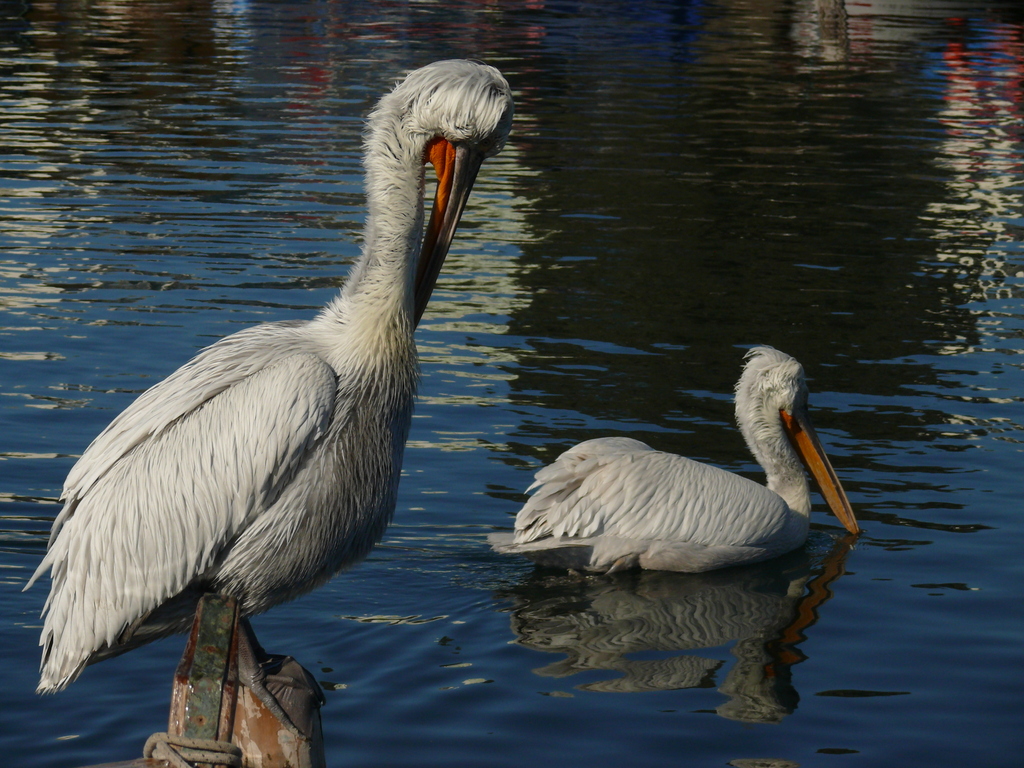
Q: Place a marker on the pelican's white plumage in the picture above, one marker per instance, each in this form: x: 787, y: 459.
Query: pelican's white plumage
x: 271, y: 460
x: 614, y: 503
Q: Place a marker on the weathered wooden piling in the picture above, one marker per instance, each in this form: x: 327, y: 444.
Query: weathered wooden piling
x: 215, y: 720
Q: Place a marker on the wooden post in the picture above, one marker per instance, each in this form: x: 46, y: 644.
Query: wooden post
x: 208, y: 702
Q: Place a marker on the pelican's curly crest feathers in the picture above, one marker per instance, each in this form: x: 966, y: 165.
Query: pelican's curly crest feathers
x: 459, y: 99
x: 771, y: 381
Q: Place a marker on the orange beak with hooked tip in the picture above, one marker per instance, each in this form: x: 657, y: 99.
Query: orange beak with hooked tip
x: 456, y: 166
x: 805, y: 441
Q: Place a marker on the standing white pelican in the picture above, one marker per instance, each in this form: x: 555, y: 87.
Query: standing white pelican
x: 270, y: 461
x: 615, y: 503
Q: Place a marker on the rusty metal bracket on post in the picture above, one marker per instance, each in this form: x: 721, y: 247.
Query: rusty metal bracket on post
x: 206, y: 682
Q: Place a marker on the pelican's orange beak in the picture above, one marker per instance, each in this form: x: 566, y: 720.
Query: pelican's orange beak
x: 456, y: 166
x: 805, y: 441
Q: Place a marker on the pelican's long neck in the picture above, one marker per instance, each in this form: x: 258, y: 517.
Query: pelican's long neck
x: 785, y: 475
x: 761, y: 425
x: 378, y: 295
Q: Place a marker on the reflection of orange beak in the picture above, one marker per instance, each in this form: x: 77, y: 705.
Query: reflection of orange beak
x: 456, y: 166
x: 807, y: 446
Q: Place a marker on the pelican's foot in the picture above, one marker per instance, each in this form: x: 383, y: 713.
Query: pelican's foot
x: 283, y: 685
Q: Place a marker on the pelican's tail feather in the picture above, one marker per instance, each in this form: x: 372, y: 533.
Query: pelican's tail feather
x: 574, y: 554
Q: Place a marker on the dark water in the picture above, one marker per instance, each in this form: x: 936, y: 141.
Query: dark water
x: 684, y: 180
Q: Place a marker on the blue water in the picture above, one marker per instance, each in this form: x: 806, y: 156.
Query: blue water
x: 684, y: 180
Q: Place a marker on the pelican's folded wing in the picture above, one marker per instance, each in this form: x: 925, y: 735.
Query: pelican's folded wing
x: 159, y: 514
x: 214, y: 370
x: 606, y: 487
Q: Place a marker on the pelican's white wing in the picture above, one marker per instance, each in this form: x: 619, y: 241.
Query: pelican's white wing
x: 623, y: 501
x: 621, y: 487
x: 215, y: 369
x: 154, y: 500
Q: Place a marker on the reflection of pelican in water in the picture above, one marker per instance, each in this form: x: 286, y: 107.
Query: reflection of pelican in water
x: 602, y: 623
x: 614, y: 503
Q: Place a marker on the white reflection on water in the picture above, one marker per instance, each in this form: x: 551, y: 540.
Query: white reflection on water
x: 980, y: 156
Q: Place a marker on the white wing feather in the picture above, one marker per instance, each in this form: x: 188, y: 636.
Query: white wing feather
x: 622, y: 499
x: 158, y: 498
x: 622, y: 487
x: 215, y: 369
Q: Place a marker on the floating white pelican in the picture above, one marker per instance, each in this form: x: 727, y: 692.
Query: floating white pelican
x: 270, y: 461
x: 615, y: 503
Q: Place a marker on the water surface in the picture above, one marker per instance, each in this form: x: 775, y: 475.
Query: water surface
x: 685, y: 180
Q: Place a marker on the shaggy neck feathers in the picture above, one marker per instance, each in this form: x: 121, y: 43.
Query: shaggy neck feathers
x: 772, y: 381
x: 461, y: 101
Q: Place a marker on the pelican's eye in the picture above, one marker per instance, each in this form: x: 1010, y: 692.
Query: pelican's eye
x: 486, y: 144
